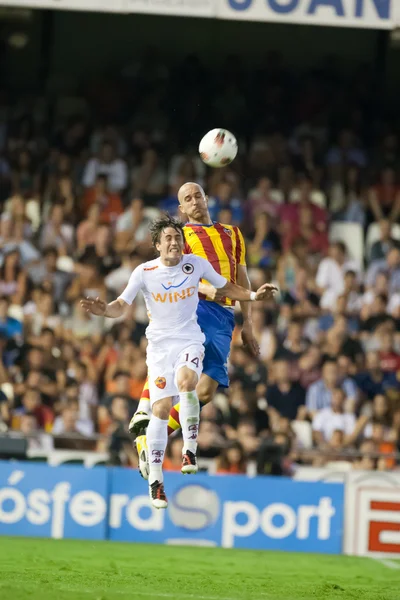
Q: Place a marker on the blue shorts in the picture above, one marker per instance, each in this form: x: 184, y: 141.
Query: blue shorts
x: 217, y: 323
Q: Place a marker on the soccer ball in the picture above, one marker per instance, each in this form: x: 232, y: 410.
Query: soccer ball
x: 218, y: 148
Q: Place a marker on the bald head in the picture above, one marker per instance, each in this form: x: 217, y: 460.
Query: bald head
x: 193, y: 203
x: 189, y: 188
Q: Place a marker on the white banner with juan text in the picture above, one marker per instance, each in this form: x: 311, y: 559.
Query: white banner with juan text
x: 367, y: 14
x: 371, y: 14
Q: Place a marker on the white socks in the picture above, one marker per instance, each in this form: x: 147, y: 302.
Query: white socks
x: 144, y: 406
x: 157, y: 438
x: 189, y: 414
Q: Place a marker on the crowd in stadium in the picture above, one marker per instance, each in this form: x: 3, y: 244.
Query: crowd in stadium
x: 316, y: 194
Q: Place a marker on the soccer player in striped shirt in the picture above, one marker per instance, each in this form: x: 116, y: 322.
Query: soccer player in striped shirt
x: 223, y: 246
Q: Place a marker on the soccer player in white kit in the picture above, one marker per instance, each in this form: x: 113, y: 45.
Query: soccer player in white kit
x: 175, y: 341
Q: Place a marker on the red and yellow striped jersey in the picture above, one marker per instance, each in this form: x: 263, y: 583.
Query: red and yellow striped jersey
x: 222, y: 245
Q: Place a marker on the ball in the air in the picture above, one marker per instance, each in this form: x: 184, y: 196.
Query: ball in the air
x: 218, y: 148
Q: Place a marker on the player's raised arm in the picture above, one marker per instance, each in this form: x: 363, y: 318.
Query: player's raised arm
x: 117, y: 307
x: 233, y: 291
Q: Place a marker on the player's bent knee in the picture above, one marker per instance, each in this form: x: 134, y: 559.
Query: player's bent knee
x: 187, y: 380
x: 206, y: 389
x: 161, y: 408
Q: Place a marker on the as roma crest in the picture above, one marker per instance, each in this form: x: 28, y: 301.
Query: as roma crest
x: 160, y: 382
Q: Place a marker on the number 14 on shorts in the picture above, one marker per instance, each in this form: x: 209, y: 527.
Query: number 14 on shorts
x: 192, y: 358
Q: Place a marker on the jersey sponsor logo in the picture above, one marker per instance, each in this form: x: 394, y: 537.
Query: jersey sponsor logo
x: 188, y: 268
x: 172, y: 297
x: 160, y: 382
x: 228, y: 231
x: 150, y: 268
x: 174, y: 286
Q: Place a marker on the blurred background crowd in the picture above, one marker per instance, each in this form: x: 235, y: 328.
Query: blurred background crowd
x: 315, y: 190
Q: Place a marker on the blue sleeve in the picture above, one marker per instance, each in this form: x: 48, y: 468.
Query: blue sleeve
x: 312, y: 397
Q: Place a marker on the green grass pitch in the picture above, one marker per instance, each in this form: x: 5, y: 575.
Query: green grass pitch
x: 77, y: 570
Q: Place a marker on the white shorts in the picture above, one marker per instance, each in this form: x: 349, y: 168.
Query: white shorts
x: 165, y: 360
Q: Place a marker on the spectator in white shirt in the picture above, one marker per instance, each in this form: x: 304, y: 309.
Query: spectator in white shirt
x: 107, y: 164
x: 69, y: 422
x: 330, y: 275
x: 117, y: 280
x: 331, y: 419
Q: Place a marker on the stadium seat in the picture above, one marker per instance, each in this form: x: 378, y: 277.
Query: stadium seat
x: 352, y: 235
x: 373, y: 235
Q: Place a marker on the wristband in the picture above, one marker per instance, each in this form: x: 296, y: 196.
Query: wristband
x: 253, y: 296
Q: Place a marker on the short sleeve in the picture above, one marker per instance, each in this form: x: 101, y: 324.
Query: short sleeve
x: 135, y: 284
x: 210, y: 274
x: 240, y: 248
x: 317, y: 422
x: 322, y: 277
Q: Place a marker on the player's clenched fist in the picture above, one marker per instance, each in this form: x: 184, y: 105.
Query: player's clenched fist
x: 94, y: 306
x: 266, y: 292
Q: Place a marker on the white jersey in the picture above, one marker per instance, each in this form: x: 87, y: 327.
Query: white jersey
x: 171, y: 296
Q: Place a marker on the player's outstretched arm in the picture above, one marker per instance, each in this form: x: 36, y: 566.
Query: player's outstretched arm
x: 232, y: 290
x: 97, y: 307
x: 236, y: 292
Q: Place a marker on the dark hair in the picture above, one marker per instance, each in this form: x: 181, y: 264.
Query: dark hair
x: 223, y: 460
x: 340, y: 246
x: 121, y: 373
x: 382, y: 297
x: 158, y: 226
x: 50, y: 250
x: 47, y: 330
x: 18, y: 268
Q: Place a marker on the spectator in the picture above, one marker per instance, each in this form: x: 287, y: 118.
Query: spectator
x: 69, y: 422
x: 388, y: 357
x: 132, y: 228
x: 57, y: 233
x: 87, y: 229
x: 9, y: 327
x: 390, y: 266
x: 31, y: 402
x: 225, y: 198
x: 330, y: 275
x: 284, y: 396
x: 49, y: 276
x: 261, y: 201
x: 149, y: 179
x: 348, y: 198
x: 101, y: 254
x: 294, y: 344
x: 266, y: 245
x: 232, y: 460
x: 109, y: 165
x: 374, y: 381
x: 319, y: 394
x: 333, y: 418
x: 384, y: 198
x: 381, y: 247
x: 13, y: 280
x: 109, y: 203
x: 36, y: 440
x: 289, y: 214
